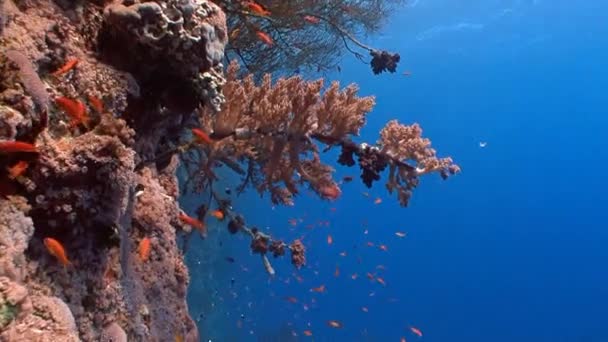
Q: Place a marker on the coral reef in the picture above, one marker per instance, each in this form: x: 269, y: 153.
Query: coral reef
x: 91, y: 137
x: 81, y: 186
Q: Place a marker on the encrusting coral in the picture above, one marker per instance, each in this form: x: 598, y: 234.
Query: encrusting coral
x: 91, y: 136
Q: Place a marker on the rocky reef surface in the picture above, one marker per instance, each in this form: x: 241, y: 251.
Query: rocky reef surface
x: 100, y: 90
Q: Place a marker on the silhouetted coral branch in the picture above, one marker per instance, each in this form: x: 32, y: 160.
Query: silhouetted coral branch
x: 261, y: 243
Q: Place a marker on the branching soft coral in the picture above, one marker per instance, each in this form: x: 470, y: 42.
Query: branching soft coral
x: 273, y: 125
x: 274, y: 129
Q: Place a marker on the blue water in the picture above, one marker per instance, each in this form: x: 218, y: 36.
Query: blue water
x: 512, y: 249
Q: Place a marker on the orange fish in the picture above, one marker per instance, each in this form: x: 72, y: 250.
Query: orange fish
x: 370, y: 276
x: 307, y: 333
x: 381, y: 281
x: 293, y: 222
x: 312, y: 20
x: 144, y: 249
x: 370, y: 244
x: 96, y: 103
x: 56, y: 249
x: 383, y: 247
x: 330, y: 240
x: 320, y: 289
x: 17, y: 169
x: 69, y: 65
x: 292, y: 300
x: 416, y: 331
x: 257, y: 8
x: 378, y: 200
x: 75, y: 110
x: 264, y: 37
x: 17, y: 146
x: 337, y: 272
x: 330, y: 192
x: 400, y: 234
x: 218, y: 214
x: 202, y: 136
x: 191, y: 221
x: 334, y: 324
x: 235, y: 33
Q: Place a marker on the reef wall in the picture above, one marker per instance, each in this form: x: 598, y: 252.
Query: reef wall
x: 97, y: 93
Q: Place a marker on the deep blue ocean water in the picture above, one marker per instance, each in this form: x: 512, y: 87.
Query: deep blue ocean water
x: 515, y: 248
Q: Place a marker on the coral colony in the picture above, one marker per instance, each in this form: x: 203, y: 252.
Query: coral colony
x: 100, y: 104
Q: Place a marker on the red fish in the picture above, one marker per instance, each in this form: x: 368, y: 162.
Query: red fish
x: 144, y: 249
x: 191, y: 221
x: 17, y: 169
x: 218, y: 214
x: 416, y: 331
x: 264, y: 37
x: 75, y: 109
x: 202, y: 136
x: 330, y: 240
x: 56, y: 249
x: 307, y: 333
x: 257, y: 8
x: 320, y: 289
x: 17, y: 146
x: 69, y: 65
x: 330, y: 192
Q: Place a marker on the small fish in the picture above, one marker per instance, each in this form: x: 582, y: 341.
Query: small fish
x: 307, y: 333
x: 292, y: 300
x: 96, y: 103
x: 347, y: 179
x: 407, y: 73
x: 483, y: 144
x: 383, y: 247
x: 337, y: 272
x: 320, y: 289
x: 381, y: 281
x: 312, y: 20
x: 400, y: 234
x: 378, y: 200
x: 257, y: 8
x: 342, y: 254
x: 264, y: 37
x: 230, y: 259
x: 330, y: 192
x: 201, y: 136
x: 354, y: 276
x: 56, y: 249
x: 364, y: 309
x: 17, y: 169
x: 370, y: 244
x: 17, y: 146
x: 235, y: 33
x: 416, y: 331
x: 334, y: 324
x: 218, y: 214
x: 75, y: 109
x: 330, y: 240
x: 191, y: 221
x: 366, y: 194
x: 69, y: 65
x: 370, y: 276
x: 144, y: 249
x: 402, y: 339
